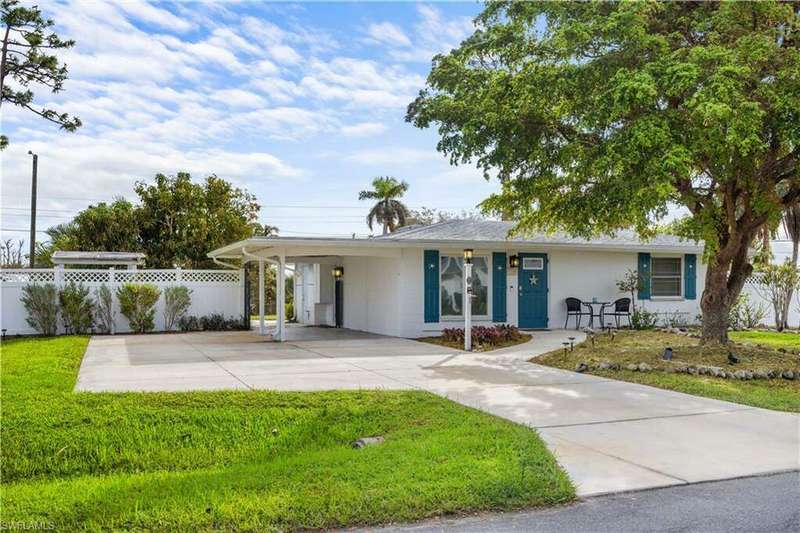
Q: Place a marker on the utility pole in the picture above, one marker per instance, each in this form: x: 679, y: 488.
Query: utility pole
x: 33, y: 206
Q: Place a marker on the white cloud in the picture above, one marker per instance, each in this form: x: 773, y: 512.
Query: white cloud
x: 284, y: 54
x: 434, y: 34
x: 363, y: 129
x: 361, y: 82
x: 285, y: 123
x: 264, y: 67
x: 388, y: 33
x: 278, y: 89
x: 238, y: 98
x: 147, y: 12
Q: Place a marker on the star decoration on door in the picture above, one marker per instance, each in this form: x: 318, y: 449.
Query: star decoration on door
x: 534, y: 280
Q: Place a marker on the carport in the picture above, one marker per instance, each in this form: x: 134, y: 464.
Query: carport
x: 284, y: 251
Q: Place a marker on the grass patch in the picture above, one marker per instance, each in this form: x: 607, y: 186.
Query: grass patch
x: 248, y: 460
x: 266, y: 317
x: 524, y: 337
x: 790, y: 341
x: 648, y: 346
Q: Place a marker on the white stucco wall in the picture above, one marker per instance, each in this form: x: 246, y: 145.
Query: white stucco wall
x: 581, y: 274
x: 385, y: 295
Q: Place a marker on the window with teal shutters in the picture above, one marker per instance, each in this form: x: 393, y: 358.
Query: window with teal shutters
x: 430, y: 265
x: 499, y: 287
x: 644, y: 276
x: 690, y: 276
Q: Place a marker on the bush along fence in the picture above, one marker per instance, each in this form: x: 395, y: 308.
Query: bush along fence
x: 58, y: 300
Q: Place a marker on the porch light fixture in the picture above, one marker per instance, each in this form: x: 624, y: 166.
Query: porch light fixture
x: 513, y: 261
x: 338, y: 272
x: 468, y: 255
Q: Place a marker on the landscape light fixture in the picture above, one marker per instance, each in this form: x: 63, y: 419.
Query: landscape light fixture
x: 338, y: 272
x: 513, y: 261
x: 468, y: 255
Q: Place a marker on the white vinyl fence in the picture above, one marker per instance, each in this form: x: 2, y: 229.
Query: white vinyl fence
x: 213, y: 291
x: 758, y: 296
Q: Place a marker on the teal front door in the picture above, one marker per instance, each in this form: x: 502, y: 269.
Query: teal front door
x: 532, y: 282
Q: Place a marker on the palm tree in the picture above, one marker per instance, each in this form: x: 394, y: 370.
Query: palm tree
x: 388, y: 211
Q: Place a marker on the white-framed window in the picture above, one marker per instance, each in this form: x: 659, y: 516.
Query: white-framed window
x: 532, y: 263
x: 451, y: 286
x: 666, y: 277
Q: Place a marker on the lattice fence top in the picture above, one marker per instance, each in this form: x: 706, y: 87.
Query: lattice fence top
x: 86, y: 276
x: 27, y: 276
x: 210, y: 276
x: 146, y: 276
x: 96, y: 277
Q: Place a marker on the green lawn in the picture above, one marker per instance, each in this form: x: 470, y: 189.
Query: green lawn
x: 768, y: 338
x: 248, y: 460
x: 648, y: 346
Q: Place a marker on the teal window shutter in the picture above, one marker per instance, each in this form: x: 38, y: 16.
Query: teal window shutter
x: 644, y: 276
x: 499, y: 287
x: 430, y: 264
x: 690, y: 276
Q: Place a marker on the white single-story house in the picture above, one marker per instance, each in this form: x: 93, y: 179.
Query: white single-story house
x: 410, y: 283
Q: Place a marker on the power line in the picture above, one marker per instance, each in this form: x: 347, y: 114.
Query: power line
x: 273, y: 206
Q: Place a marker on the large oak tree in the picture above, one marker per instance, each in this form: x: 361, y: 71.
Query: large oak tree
x: 600, y: 116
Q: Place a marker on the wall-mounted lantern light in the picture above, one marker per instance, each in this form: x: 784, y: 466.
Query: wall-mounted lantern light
x: 468, y: 255
x: 338, y: 272
x: 513, y: 261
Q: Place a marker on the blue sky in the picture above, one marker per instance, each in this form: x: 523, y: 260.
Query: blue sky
x: 302, y: 104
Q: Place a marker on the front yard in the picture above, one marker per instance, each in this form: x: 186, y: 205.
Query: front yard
x: 254, y: 460
x: 611, y: 358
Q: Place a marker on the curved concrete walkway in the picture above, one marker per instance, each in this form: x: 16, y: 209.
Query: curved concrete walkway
x: 609, y: 435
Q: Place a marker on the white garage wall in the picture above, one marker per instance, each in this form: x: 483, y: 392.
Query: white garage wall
x: 213, y: 291
x: 372, y: 295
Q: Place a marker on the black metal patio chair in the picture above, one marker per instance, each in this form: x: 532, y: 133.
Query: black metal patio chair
x: 575, y: 307
x: 620, y: 308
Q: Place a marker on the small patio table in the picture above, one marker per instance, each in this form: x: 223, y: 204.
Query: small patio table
x: 598, y: 313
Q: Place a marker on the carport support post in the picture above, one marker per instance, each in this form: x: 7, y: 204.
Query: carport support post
x: 281, y: 298
x: 261, y: 297
x: 468, y: 303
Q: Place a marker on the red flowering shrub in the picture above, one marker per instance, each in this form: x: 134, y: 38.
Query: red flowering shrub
x: 488, y: 335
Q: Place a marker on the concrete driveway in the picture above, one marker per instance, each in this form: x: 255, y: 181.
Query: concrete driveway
x: 609, y: 435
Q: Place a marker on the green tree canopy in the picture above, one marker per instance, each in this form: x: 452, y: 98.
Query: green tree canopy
x: 388, y: 211
x: 176, y: 222
x: 27, y: 59
x: 598, y: 116
x: 181, y: 221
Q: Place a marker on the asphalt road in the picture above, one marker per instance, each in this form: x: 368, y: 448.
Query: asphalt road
x: 766, y: 503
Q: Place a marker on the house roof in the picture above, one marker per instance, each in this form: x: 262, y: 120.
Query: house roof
x: 97, y: 258
x: 497, y: 231
x: 452, y: 233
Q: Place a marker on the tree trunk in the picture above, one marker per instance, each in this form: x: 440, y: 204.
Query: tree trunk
x: 725, y: 277
x: 716, y: 306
